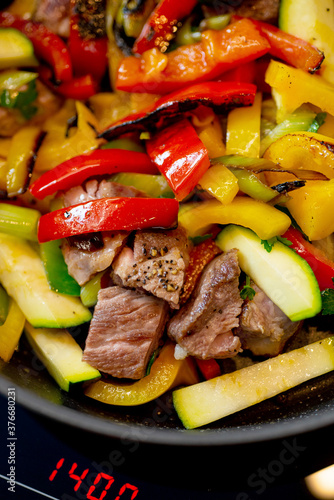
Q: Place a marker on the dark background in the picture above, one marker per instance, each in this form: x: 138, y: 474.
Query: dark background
x: 272, y: 470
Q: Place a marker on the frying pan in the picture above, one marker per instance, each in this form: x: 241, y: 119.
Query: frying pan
x: 305, y: 408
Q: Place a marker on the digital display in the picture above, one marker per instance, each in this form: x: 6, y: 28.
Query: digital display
x: 102, y: 485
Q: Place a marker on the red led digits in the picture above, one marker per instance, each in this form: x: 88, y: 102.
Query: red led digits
x: 77, y: 478
x: 130, y: 487
x: 96, y: 481
x: 59, y: 464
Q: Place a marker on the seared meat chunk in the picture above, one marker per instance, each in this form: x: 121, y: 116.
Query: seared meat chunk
x: 94, y: 190
x: 55, y: 15
x: 157, y: 263
x: 84, y: 263
x: 264, y: 328
x: 124, y: 332
x: 263, y: 10
x: 204, y: 325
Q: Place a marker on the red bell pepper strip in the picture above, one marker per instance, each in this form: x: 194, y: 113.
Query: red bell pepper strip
x: 108, y: 214
x: 209, y: 368
x: 81, y: 87
x: 75, y: 171
x: 89, y: 56
x: 47, y: 45
x: 291, y: 49
x: 217, y: 52
x: 221, y: 96
x: 180, y: 156
x: 162, y: 23
x: 322, y: 267
x: 245, y: 73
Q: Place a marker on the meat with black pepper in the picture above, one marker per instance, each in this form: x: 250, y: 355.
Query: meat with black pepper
x: 203, y: 327
x: 264, y: 328
x: 157, y: 263
x: 124, y: 332
x: 88, y: 255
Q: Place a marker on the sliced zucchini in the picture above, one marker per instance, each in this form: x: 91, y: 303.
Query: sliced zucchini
x: 213, y: 399
x: 61, y: 355
x: 15, y: 49
x: 22, y: 275
x: 281, y: 273
x: 313, y: 21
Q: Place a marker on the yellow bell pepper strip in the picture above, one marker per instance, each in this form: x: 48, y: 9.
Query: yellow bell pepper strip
x: 327, y: 128
x: 219, y: 181
x: 75, y: 171
x: 243, y: 130
x: 217, y: 52
x: 265, y: 220
x: 108, y: 214
x: 58, y: 146
x: 312, y: 207
x: 305, y: 150
x: 21, y: 158
x: 4, y: 305
x: 220, y: 96
x: 166, y: 373
x: 292, y: 87
x: 11, y: 331
x: 180, y: 156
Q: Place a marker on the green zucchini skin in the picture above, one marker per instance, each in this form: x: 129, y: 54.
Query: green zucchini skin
x: 23, y: 276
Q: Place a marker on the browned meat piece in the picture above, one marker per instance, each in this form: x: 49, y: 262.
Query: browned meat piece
x: 124, y: 332
x: 263, y: 10
x: 204, y: 325
x: 12, y: 121
x: 157, y: 263
x: 83, y: 262
x: 55, y: 15
x: 264, y: 328
x: 94, y: 190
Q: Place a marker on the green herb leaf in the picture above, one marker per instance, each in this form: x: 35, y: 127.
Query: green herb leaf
x: 23, y: 101
x: 327, y: 297
x: 247, y: 291
x: 268, y: 244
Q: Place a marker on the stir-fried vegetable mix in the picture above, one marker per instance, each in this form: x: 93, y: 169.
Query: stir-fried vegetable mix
x: 167, y: 180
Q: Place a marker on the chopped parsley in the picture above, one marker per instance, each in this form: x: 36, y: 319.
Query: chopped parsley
x: 327, y: 297
x: 268, y: 244
x: 247, y: 291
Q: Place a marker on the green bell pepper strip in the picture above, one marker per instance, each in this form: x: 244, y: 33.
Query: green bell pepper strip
x: 56, y: 269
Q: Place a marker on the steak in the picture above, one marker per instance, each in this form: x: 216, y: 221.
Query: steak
x: 124, y: 332
x: 157, y: 263
x: 264, y: 328
x: 203, y: 327
x: 83, y: 264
